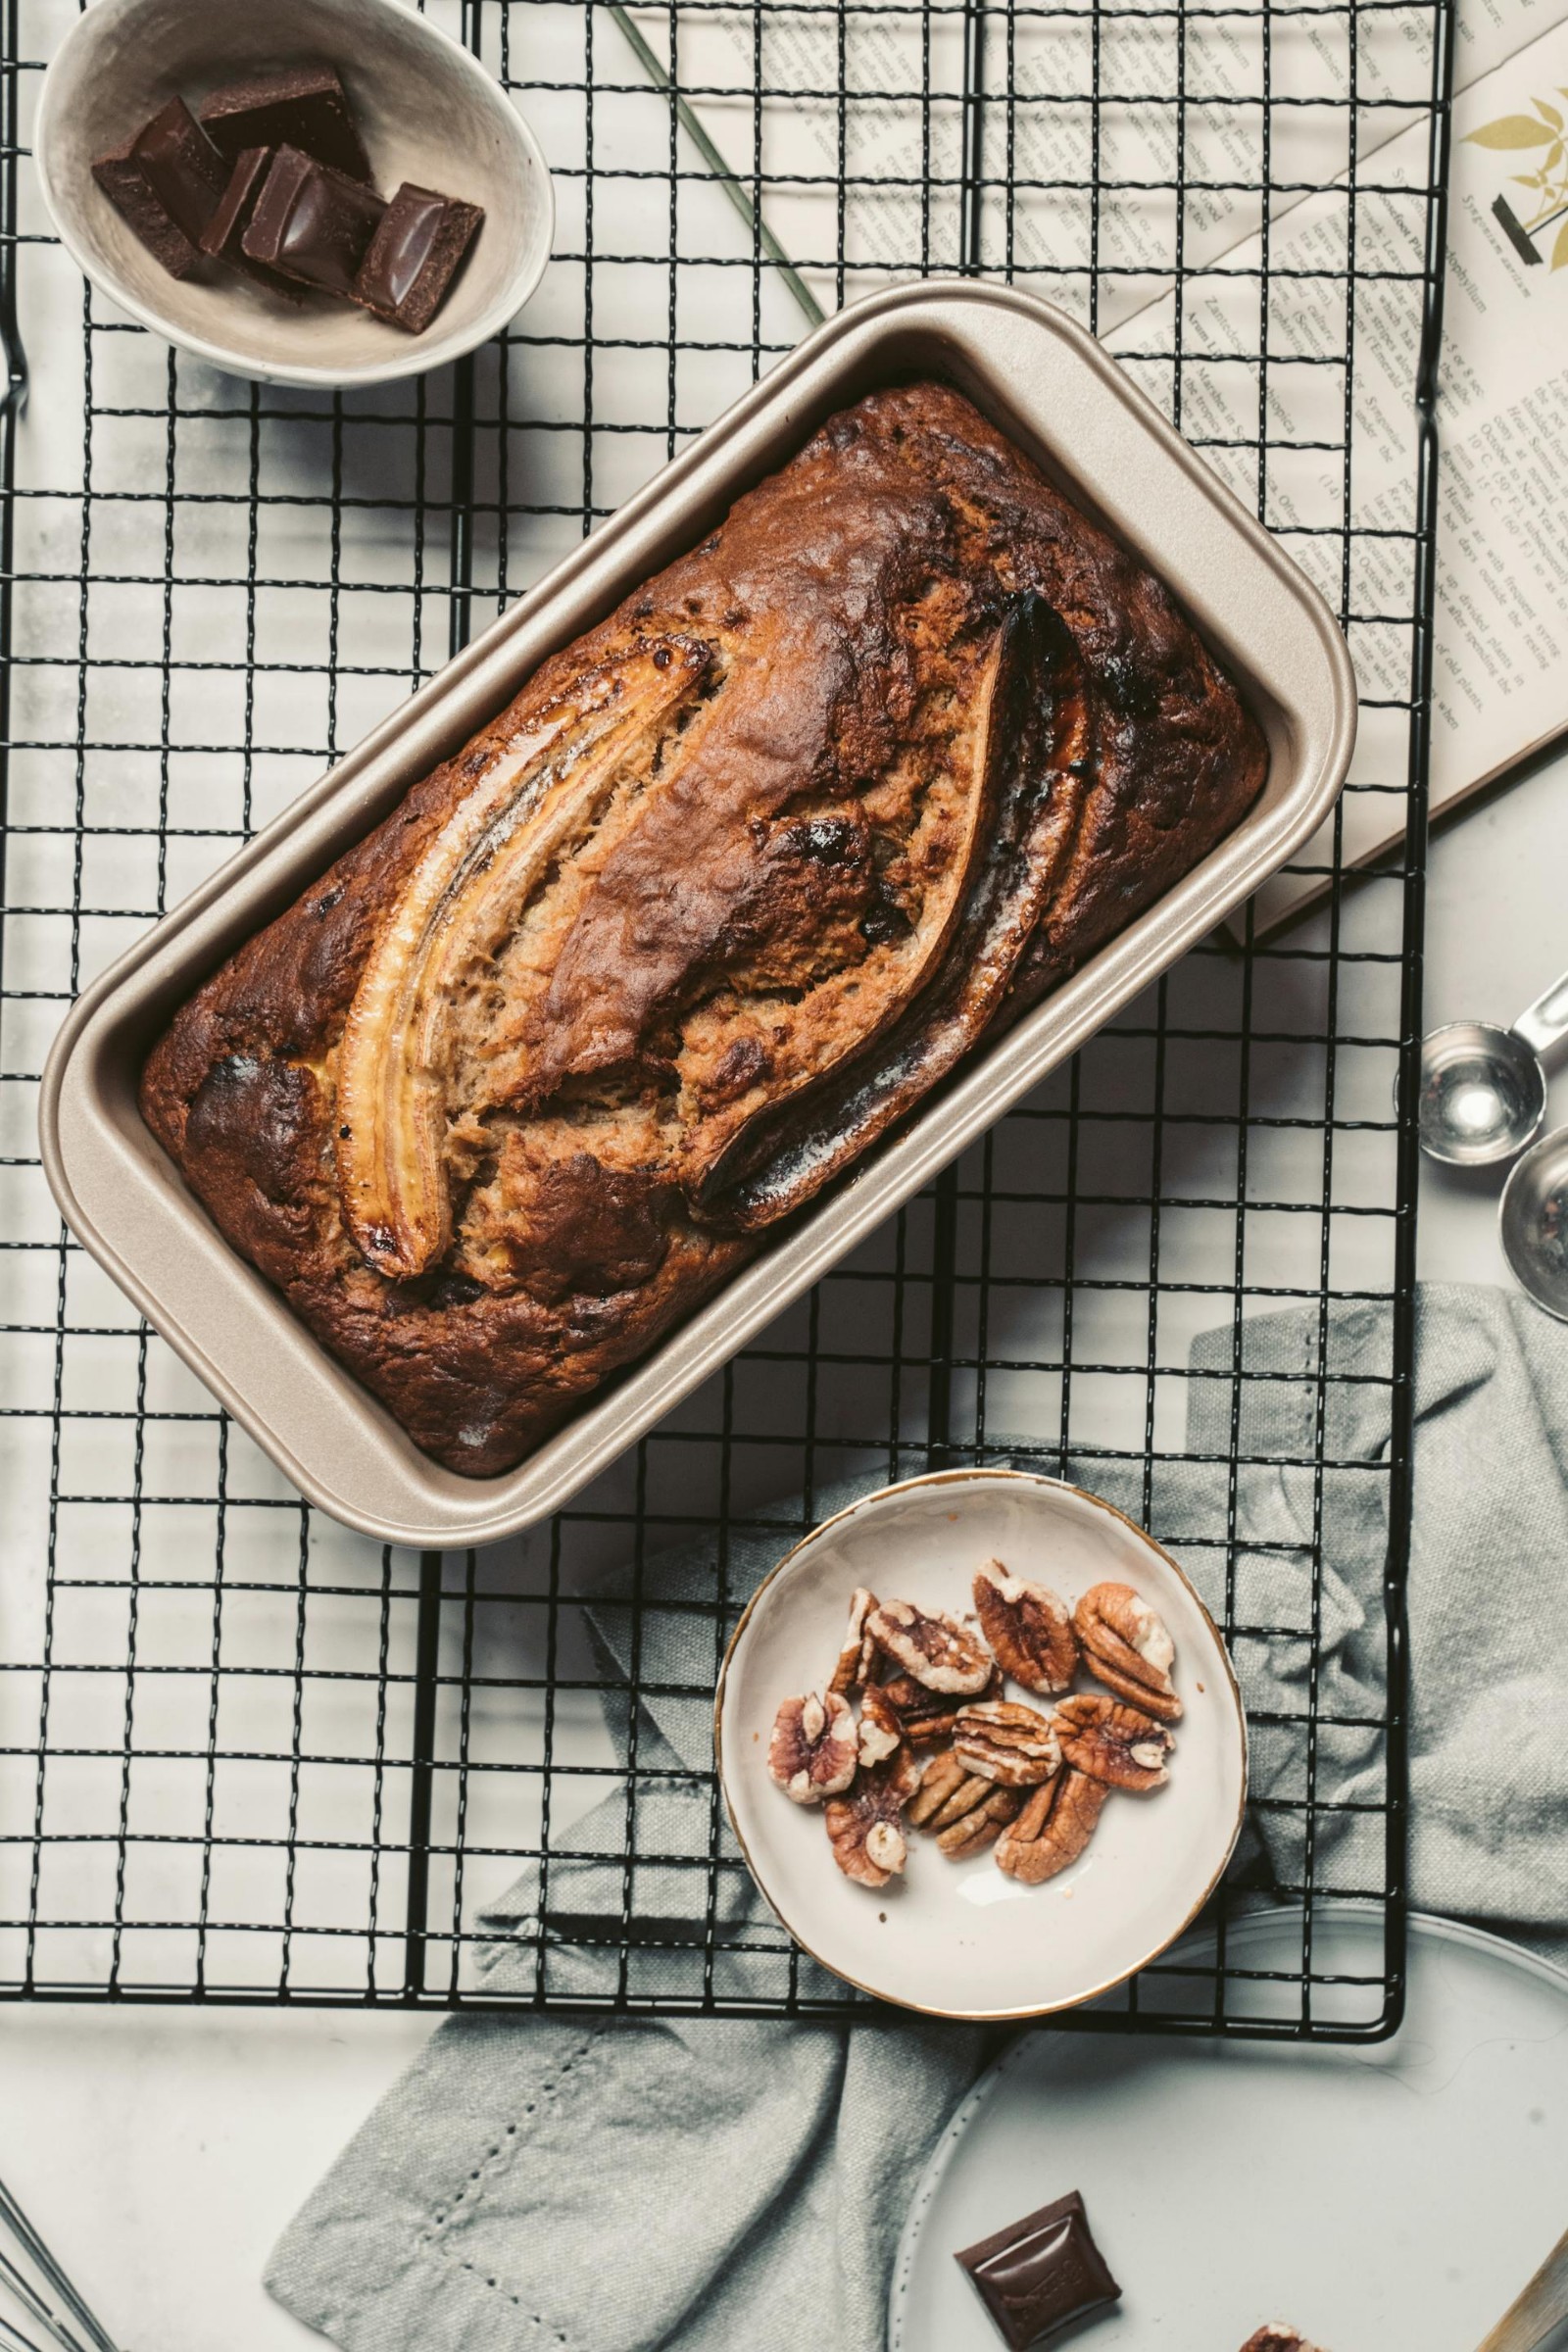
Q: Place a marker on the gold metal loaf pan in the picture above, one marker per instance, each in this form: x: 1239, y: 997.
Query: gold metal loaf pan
x: 1047, y: 385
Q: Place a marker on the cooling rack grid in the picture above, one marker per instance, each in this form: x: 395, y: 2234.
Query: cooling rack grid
x: 247, y: 1756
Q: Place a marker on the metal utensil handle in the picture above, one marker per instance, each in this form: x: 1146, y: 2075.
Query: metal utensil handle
x: 1545, y: 1024
x: 24, y: 2234
x: 1540, y: 2310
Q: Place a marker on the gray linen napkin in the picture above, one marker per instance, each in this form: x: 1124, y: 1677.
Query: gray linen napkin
x: 1487, y: 1598
x: 629, y: 2184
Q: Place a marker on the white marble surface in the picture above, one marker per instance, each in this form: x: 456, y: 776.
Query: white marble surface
x: 162, y: 2152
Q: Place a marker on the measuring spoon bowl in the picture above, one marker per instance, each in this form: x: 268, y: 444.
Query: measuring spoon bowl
x: 1483, y: 1093
x: 1533, y: 1217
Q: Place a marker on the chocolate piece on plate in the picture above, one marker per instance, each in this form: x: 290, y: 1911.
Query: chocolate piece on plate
x: 166, y: 184
x: 1041, y: 2273
x: 311, y: 223
x: 415, y: 255
x: 222, y: 235
x: 1277, y: 2338
x: 299, y: 106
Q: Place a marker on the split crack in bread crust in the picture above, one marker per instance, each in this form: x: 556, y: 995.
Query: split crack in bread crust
x: 924, y: 740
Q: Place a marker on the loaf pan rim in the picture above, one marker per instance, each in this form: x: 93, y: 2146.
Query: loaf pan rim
x: 85, y: 1102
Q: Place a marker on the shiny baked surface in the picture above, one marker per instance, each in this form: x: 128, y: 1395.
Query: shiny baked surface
x: 732, y: 883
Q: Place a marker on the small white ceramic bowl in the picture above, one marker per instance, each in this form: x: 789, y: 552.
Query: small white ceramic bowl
x: 428, y: 111
x: 959, y: 1939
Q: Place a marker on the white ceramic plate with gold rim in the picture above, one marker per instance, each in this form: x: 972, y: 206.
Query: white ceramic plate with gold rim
x: 1380, y: 2197
x: 959, y: 1939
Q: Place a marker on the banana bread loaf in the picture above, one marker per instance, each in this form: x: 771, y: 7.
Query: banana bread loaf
x: 733, y: 881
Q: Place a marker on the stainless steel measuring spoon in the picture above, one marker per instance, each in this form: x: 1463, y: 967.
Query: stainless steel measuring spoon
x: 1483, y: 1088
x: 1533, y: 1216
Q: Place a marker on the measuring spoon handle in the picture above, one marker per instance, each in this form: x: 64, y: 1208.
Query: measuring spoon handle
x: 1545, y: 1024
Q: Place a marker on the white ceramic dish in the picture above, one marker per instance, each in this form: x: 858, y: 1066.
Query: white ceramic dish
x: 427, y: 111
x: 1380, y: 2197
x: 959, y: 1939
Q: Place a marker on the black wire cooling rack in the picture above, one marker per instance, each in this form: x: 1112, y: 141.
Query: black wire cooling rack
x: 247, y: 1756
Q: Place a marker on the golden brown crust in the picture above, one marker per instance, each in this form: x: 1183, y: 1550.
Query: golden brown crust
x: 937, y: 739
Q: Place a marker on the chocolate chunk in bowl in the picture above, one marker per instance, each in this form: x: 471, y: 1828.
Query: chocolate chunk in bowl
x: 425, y: 111
x: 420, y: 245
x: 311, y: 222
x: 293, y: 106
x: 222, y: 239
x: 166, y: 183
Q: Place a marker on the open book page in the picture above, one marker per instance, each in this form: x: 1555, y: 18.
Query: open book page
x: 1060, y: 85
x: 1501, y: 635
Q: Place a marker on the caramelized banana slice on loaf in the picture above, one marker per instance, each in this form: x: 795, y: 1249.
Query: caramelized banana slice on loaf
x: 465, y: 894
x: 1031, y: 740
x: 781, y: 1051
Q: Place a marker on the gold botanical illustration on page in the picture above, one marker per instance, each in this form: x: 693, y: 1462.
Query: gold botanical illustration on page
x: 1548, y: 204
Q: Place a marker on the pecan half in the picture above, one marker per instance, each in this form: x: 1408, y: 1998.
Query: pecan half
x: 1126, y: 1648
x: 928, y: 1715
x: 812, y: 1753
x: 961, y: 1792
x: 938, y: 1652
x: 867, y: 1827
x: 1009, y: 1744
x: 1028, y: 1626
x: 1114, y: 1743
x: 1053, y: 1830
x: 858, y: 1658
x: 1277, y: 2338
x: 981, y: 1827
x: 944, y: 1777
x: 462, y: 897
x: 881, y: 1728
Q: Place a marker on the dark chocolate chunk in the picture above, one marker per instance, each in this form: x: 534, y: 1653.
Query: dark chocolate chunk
x: 299, y: 106
x: 311, y: 223
x: 1041, y: 2273
x: 223, y: 231
x: 167, y: 184
x: 415, y: 255
x: 182, y: 167
x: 222, y: 235
x: 122, y: 182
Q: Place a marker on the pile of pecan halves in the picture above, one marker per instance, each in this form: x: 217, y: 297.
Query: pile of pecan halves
x: 938, y: 1745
